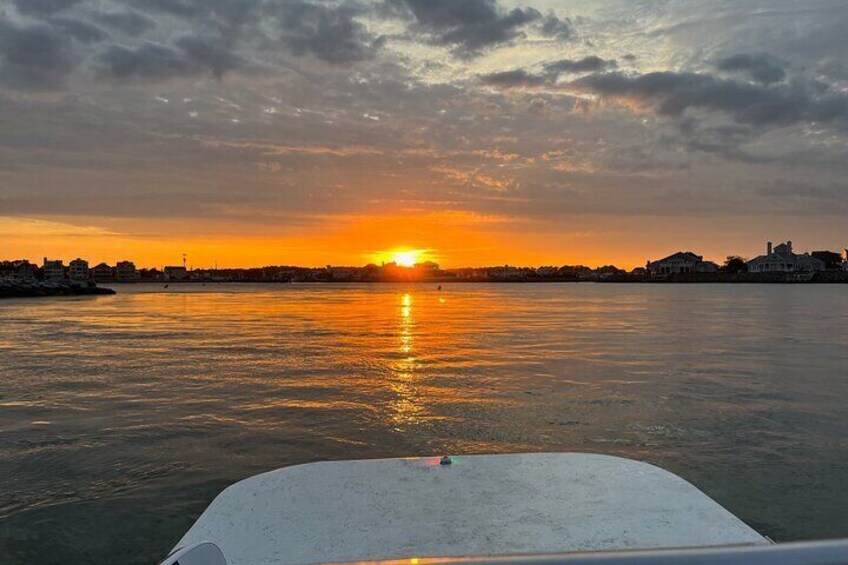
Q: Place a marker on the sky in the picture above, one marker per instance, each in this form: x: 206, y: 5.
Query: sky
x: 479, y: 132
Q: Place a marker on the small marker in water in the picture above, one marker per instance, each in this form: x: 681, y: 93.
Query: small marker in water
x: 446, y: 460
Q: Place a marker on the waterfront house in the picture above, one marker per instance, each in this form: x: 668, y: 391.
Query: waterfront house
x: 18, y: 269
x: 78, y: 270
x: 782, y: 259
x: 681, y: 262
x: 832, y: 260
x: 340, y: 273
x: 53, y: 270
x: 103, y: 273
x: 125, y: 271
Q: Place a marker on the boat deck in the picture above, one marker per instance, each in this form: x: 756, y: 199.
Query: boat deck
x: 478, y: 506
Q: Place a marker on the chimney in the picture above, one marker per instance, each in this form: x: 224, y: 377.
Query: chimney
x: 789, y: 245
x: 768, y: 248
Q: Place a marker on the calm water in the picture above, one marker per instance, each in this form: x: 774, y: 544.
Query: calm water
x: 121, y: 417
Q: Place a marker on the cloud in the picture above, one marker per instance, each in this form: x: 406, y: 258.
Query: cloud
x: 330, y: 33
x: 761, y: 67
x: 183, y: 8
x: 470, y: 26
x: 672, y: 93
x: 131, y: 23
x: 513, y: 79
x: 34, y: 57
x: 81, y: 31
x: 205, y: 53
x: 552, y: 26
x: 43, y: 7
x: 146, y: 61
x: 521, y: 78
x: 592, y: 63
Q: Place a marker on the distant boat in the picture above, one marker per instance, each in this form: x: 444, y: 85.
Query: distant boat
x: 166, y: 286
x: 439, y: 287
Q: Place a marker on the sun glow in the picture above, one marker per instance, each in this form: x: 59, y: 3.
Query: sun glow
x: 406, y: 258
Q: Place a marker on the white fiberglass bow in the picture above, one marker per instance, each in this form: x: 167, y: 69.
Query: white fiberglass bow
x: 480, y: 508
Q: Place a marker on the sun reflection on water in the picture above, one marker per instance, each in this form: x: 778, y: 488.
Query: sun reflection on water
x: 407, y: 405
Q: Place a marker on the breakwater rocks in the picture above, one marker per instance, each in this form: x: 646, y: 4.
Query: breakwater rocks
x: 10, y: 288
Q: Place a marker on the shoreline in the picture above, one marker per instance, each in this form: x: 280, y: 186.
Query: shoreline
x: 842, y: 278
x: 10, y: 288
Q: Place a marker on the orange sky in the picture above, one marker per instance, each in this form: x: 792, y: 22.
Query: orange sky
x: 452, y: 239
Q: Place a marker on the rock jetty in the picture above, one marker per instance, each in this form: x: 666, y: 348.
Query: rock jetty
x: 12, y: 288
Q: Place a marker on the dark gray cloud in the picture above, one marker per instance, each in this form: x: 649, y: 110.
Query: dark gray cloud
x: 521, y: 78
x: 206, y: 53
x: 227, y: 16
x: 146, y: 61
x: 592, y: 63
x: 190, y: 56
x: 761, y: 67
x: 43, y: 7
x: 552, y: 26
x: 34, y: 57
x: 470, y: 26
x: 671, y: 94
x: 80, y: 30
x: 330, y: 33
x: 131, y: 23
x: 183, y: 8
x: 513, y: 79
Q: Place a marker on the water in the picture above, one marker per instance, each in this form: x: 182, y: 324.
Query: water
x: 121, y: 417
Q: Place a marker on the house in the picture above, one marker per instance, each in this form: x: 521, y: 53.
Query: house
x: 78, y: 270
x: 125, y: 271
x: 103, y: 273
x: 681, y: 262
x: 17, y: 269
x: 53, y: 270
x: 175, y: 273
x: 832, y: 260
x: 340, y: 273
x: 782, y: 259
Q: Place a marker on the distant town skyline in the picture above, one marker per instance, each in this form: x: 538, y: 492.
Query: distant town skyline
x: 256, y: 132
x: 411, y: 257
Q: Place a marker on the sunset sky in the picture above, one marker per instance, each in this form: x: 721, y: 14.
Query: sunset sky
x: 257, y: 132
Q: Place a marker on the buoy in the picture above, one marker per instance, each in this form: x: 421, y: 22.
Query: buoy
x: 446, y: 460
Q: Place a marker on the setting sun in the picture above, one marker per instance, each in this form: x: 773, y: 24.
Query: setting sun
x: 406, y: 258
x: 403, y: 257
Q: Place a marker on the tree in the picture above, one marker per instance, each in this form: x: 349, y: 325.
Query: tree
x: 735, y: 264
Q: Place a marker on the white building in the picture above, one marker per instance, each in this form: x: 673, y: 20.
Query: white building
x: 78, y: 270
x: 782, y: 259
x: 53, y: 270
x: 681, y: 262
